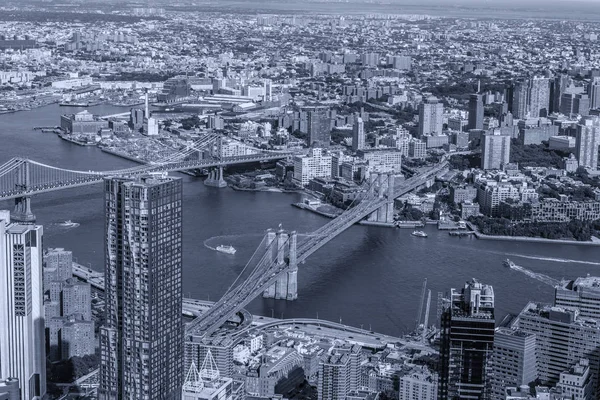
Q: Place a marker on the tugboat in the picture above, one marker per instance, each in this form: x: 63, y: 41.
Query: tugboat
x: 419, y: 234
x: 226, y: 249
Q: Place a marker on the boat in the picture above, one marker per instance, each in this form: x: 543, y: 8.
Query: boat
x: 68, y: 223
x: 73, y: 104
x: 509, y: 264
x: 419, y: 234
x: 226, y: 249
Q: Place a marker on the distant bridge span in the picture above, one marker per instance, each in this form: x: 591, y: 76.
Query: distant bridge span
x: 22, y: 177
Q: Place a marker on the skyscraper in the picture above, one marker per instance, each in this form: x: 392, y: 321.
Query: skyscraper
x: 557, y: 89
x: 587, y: 142
x: 475, y: 112
x: 22, y: 352
x: 318, y: 127
x: 358, y: 135
x: 467, y: 339
x: 431, y: 117
x: 141, y: 343
x: 513, y: 361
x: 520, y: 104
x: 539, y: 97
x: 495, y: 150
x: 594, y: 93
x: 562, y: 339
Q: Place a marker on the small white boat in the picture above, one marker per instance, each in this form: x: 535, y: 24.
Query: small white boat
x: 226, y: 249
x: 419, y: 234
x: 68, y: 223
x: 509, y: 264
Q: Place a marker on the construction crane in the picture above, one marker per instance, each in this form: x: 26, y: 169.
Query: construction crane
x: 426, y: 321
x: 421, y: 305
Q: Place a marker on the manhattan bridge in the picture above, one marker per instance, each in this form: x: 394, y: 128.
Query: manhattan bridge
x: 272, y: 269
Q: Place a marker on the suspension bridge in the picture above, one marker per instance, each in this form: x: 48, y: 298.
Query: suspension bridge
x: 21, y: 178
x: 272, y: 269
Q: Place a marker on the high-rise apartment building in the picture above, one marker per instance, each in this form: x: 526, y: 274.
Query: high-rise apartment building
x: 418, y: 384
x: 358, y: 135
x: 475, y: 112
x: 431, y: 117
x: 539, y: 97
x: 587, y: 142
x: 520, y: 100
x: 22, y: 352
x: 141, y: 343
x: 557, y: 87
x: 495, y: 150
x: 594, y: 93
x: 562, y: 339
x: 334, y: 377
x: 467, y: 339
x: 513, y: 361
x: 318, y: 126
x: 66, y: 301
x: 315, y: 164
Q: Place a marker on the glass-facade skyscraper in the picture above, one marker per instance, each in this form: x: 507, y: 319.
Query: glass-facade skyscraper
x: 467, y: 343
x: 22, y: 350
x: 141, y: 342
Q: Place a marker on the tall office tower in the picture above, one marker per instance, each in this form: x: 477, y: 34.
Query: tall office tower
x: 141, y: 343
x: 520, y: 103
x: 318, y: 127
x: 358, y: 135
x: 558, y: 87
x: 22, y: 353
x: 431, y: 117
x: 495, y: 150
x: 582, y: 293
x: 539, y: 97
x: 475, y: 112
x: 587, y: 142
x: 513, y: 361
x: 467, y: 341
x: 562, y: 339
x: 594, y: 93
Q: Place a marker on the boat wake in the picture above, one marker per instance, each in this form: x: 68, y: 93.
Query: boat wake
x: 534, y: 275
x: 67, y: 225
x: 559, y: 260
x: 212, y: 242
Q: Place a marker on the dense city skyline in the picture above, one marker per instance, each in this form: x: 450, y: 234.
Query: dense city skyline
x: 331, y: 200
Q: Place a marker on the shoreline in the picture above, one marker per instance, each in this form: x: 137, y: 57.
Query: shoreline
x: 482, y: 236
x: 266, y: 189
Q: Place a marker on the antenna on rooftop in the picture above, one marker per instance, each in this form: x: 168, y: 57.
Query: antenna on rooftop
x: 209, y: 371
x: 193, y: 381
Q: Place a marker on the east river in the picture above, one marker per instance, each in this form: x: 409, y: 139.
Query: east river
x: 366, y: 276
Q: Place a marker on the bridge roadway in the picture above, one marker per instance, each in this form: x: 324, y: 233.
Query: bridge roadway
x: 314, y: 327
x: 91, y: 178
x: 268, y: 270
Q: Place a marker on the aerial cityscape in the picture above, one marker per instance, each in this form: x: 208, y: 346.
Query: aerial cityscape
x: 326, y: 200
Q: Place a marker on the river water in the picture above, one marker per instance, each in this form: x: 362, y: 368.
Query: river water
x: 366, y: 276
